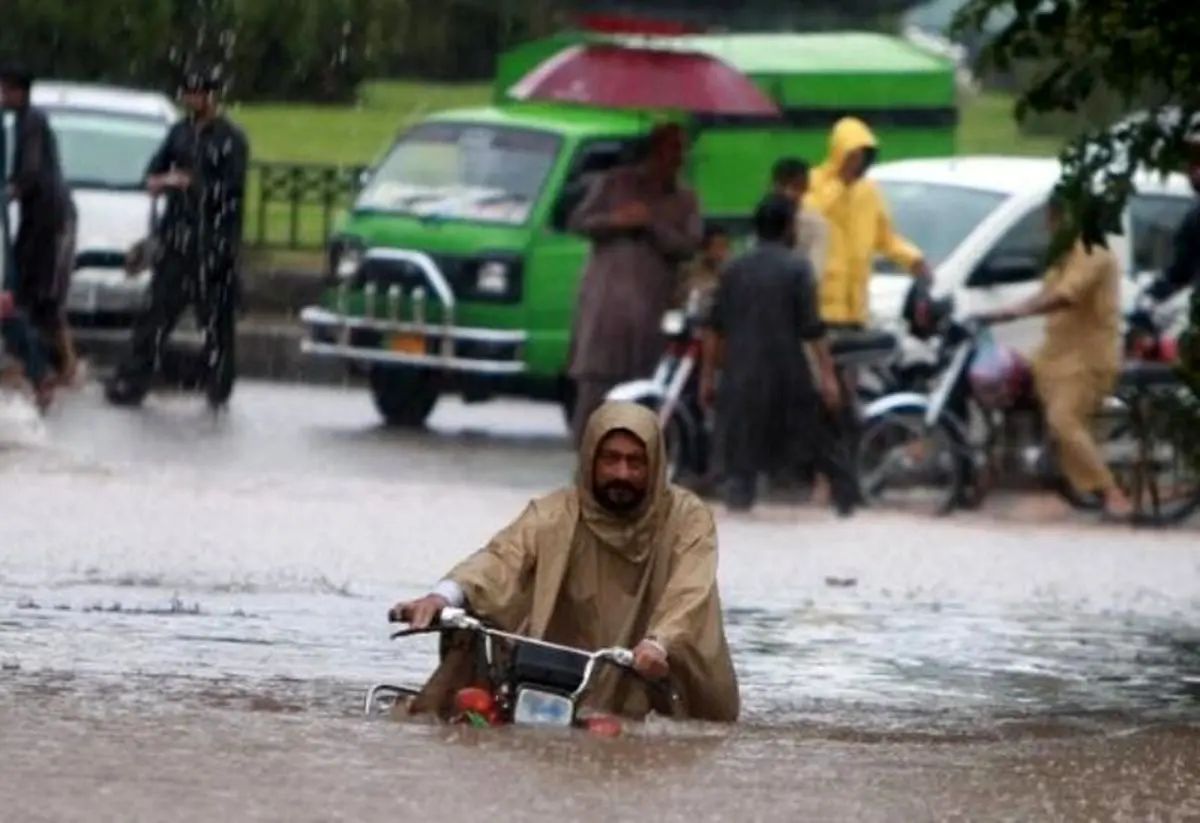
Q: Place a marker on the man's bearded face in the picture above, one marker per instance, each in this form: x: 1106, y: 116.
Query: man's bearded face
x: 621, y: 472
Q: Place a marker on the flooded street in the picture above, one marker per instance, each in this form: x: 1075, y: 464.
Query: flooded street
x: 190, y: 611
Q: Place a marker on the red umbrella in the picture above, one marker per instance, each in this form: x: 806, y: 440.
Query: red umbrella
x: 624, y: 24
x: 622, y: 77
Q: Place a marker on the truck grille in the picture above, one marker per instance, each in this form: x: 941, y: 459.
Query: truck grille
x: 384, y: 274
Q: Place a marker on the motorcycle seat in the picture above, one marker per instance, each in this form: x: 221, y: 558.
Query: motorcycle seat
x: 860, y: 347
x: 1140, y: 375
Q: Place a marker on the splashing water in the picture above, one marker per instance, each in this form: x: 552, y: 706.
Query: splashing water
x: 20, y: 423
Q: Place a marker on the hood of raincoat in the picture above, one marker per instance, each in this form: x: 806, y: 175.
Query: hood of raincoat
x: 849, y: 134
x: 627, y: 533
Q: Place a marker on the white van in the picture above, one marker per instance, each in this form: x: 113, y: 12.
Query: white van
x: 981, y: 225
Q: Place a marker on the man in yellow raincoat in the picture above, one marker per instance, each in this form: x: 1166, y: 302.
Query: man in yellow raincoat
x: 622, y: 558
x: 859, y: 226
x: 1079, y: 360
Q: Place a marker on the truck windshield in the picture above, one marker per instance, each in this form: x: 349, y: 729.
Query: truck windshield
x: 936, y: 217
x: 463, y: 171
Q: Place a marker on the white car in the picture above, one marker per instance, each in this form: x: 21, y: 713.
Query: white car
x: 980, y: 223
x: 106, y: 136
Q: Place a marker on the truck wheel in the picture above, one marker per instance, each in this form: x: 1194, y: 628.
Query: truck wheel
x: 403, y: 395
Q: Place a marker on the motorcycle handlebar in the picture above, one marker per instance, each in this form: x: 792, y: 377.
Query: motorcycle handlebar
x: 452, y: 618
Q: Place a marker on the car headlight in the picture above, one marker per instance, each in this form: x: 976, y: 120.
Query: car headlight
x: 672, y: 323
x: 493, y: 278
x: 348, y: 263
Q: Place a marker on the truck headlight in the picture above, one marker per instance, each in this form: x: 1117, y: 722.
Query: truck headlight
x: 348, y: 262
x: 493, y: 278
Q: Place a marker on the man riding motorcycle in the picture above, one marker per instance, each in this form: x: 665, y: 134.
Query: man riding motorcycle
x: 623, y: 558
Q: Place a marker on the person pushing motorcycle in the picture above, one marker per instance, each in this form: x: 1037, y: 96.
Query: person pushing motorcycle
x: 1078, y: 363
x: 622, y: 558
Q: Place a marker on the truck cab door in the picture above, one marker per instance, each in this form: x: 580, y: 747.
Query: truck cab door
x: 1010, y: 272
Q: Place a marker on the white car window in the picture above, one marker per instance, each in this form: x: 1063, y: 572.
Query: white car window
x: 1154, y: 219
x: 102, y: 150
x: 1019, y: 255
x: 936, y: 217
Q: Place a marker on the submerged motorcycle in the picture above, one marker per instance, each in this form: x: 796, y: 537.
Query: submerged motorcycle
x: 960, y: 434
x: 528, y: 682
x: 673, y: 391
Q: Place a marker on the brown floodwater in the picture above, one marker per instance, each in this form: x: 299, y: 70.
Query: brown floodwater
x: 190, y: 613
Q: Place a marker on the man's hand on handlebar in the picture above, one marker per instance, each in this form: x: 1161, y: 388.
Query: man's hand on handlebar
x: 650, y: 660
x: 420, y: 613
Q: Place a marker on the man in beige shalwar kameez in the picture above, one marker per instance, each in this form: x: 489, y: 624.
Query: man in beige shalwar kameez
x: 1079, y: 361
x: 622, y: 558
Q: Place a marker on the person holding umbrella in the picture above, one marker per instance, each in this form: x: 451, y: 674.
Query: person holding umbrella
x: 644, y: 225
x: 200, y: 169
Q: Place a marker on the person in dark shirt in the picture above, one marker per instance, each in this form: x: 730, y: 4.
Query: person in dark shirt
x: 43, y: 251
x: 200, y: 171
x: 765, y: 330
x: 1184, y: 268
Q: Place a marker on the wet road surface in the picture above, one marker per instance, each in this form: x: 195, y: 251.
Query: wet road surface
x: 190, y: 610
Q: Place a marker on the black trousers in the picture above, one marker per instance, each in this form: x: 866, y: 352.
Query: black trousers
x: 829, y: 450
x: 178, y: 284
x: 22, y: 341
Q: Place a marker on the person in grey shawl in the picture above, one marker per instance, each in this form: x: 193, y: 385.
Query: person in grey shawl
x: 644, y: 225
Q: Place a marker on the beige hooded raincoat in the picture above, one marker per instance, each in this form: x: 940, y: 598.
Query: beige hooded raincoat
x: 569, y: 571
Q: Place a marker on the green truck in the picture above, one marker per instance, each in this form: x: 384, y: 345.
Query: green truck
x: 453, y: 271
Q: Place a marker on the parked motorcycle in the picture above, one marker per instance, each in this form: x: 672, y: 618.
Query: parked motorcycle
x: 959, y: 435
x: 674, y: 389
x: 529, y: 682
x: 674, y: 392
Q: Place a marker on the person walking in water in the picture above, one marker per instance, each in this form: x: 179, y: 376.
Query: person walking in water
x: 770, y: 402
x: 644, y: 225
x: 200, y: 168
x: 44, y: 248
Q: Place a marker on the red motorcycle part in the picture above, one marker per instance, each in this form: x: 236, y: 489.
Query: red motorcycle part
x: 603, y: 726
x: 1165, y: 350
x: 477, y: 706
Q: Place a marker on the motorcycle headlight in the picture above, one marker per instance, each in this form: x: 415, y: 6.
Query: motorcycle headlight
x: 493, y: 278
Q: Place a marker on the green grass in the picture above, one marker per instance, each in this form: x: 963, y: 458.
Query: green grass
x: 355, y: 135
x: 352, y: 135
x: 989, y: 127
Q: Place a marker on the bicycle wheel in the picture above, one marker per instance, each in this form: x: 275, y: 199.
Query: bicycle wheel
x: 1144, y: 451
x: 905, y: 464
